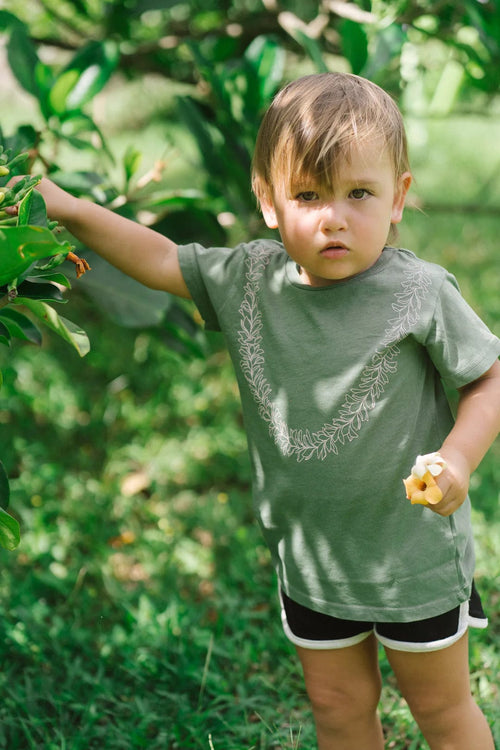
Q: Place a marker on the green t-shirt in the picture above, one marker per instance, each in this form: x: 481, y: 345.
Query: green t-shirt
x: 342, y: 387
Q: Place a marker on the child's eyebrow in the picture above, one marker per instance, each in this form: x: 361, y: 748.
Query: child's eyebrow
x: 301, y: 186
x: 366, y: 182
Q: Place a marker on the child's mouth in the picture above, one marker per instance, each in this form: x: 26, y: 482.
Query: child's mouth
x: 334, y: 251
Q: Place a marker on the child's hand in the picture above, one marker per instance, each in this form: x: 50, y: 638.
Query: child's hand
x: 60, y: 205
x: 421, y: 486
x: 453, y: 483
x: 439, y: 481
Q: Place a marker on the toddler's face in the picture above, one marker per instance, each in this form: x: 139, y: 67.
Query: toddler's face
x: 334, y: 235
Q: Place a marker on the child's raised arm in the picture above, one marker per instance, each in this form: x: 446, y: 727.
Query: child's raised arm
x: 476, y: 427
x: 136, y: 250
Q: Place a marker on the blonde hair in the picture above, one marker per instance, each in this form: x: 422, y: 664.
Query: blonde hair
x: 312, y: 125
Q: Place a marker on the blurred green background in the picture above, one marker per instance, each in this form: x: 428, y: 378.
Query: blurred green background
x: 139, y: 610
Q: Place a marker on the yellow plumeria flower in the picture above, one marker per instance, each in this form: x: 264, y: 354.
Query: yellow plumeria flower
x: 421, y: 487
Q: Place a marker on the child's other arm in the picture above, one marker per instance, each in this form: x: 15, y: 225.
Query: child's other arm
x: 140, y: 252
x: 476, y: 427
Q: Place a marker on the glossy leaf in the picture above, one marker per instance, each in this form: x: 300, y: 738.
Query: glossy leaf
x: 354, y: 44
x: 22, y: 140
x: 47, y: 274
x: 19, y: 326
x: 21, y: 246
x: 45, y: 292
x: 84, y: 76
x: 23, y: 59
x: 63, y: 327
x: 268, y: 59
x: 32, y: 210
x: 9, y: 20
x: 9, y: 531
x: 131, y: 162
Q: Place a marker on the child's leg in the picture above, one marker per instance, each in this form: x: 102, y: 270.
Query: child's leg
x: 344, y: 689
x: 436, y: 686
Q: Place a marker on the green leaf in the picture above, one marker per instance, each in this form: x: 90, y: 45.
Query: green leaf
x: 9, y: 20
x: 21, y: 246
x: 45, y: 292
x: 23, y: 59
x: 84, y: 76
x: 22, y: 140
x: 4, y: 487
x: 44, y: 79
x: 48, y: 275
x: 32, y: 210
x: 19, y: 326
x: 62, y: 89
x: 354, y: 44
x: 209, y: 141
x: 268, y: 59
x: 131, y: 161
x: 51, y: 263
x: 10, y: 534
x: 63, y: 327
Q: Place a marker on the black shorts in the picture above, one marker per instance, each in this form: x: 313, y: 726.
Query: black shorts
x: 315, y: 630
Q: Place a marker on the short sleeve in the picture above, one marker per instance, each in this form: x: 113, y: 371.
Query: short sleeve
x: 459, y: 343
x: 210, y: 275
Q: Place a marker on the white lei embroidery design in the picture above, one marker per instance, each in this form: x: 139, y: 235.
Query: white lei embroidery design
x: 360, y: 400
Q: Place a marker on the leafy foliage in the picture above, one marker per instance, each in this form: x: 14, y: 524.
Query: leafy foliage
x: 29, y: 253
x: 374, y: 37
x: 225, y: 123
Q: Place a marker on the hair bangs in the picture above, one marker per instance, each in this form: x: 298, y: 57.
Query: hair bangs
x: 314, y: 124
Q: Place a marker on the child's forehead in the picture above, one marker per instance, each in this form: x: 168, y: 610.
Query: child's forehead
x: 360, y: 163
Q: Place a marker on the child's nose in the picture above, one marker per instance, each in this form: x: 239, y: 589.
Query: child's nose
x: 333, y: 217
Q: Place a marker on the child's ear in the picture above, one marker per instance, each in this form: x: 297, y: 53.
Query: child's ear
x: 402, y: 187
x: 269, y: 212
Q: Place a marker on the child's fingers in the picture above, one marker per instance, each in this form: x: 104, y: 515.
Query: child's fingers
x: 453, y: 495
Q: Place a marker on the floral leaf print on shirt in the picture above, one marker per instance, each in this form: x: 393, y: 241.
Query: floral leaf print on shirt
x: 359, y: 400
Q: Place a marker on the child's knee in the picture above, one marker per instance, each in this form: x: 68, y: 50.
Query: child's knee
x: 437, y: 715
x: 341, y: 706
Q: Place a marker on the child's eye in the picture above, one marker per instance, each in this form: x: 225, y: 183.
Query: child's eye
x: 359, y: 194
x: 307, y: 196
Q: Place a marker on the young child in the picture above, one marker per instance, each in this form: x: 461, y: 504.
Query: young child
x: 340, y: 345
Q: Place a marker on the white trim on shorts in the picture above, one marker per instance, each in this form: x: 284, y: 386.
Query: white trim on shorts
x: 464, y: 621
x: 320, y: 645
x: 463, y: 624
